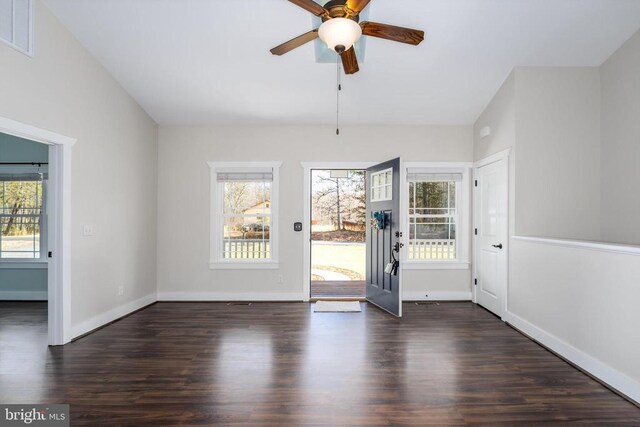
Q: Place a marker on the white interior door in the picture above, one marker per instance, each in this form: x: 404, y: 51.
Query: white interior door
x: 492, y: 227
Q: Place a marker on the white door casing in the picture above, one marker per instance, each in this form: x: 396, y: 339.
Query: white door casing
x: 59, y: 224
x: 306, y: 197
x: 491, y: 233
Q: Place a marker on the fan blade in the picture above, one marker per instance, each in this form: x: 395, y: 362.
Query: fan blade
x: 295, y: 42
x: 350, y: 61
x: 390, y: 32
x: 310, y: 6
x: 356, y: 6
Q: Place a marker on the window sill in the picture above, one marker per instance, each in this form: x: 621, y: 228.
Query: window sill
x: 435, y: 265
x: 18, y: 264
x: 251, y: 265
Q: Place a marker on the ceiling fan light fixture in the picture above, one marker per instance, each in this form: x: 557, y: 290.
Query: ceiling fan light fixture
x: 339, y: 34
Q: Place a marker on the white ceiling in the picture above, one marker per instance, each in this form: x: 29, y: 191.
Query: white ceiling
x: 195, y: 62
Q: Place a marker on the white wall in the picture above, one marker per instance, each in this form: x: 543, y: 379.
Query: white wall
x: 579, y: 302
x: 583, y: 303
x: 557, y: 177
x: 65, y: 90
x: 550, y: 117
x: 620, y: 78
x: 500, y: 117
x: 183, y: 250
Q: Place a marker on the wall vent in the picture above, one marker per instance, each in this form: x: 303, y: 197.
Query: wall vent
x: 16, y: 24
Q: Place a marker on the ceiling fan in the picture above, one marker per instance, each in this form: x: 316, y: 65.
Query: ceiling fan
x: 340, y: 30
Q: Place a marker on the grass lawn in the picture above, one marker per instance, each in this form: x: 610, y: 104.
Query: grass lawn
x: 343, y: 256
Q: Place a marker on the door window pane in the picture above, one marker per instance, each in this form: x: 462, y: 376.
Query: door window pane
x: 382, y: 185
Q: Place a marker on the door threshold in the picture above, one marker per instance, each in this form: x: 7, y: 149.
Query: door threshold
x: 314, y: 299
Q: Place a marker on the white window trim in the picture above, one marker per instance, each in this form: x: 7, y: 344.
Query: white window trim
x: 43, y: 261
x: 29, y: 51
x: 463, y: 228
x: 216, y: 262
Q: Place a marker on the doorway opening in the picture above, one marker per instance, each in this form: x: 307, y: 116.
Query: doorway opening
x: 338, y: 248
x: 51, y: 245
x: 24, y: 177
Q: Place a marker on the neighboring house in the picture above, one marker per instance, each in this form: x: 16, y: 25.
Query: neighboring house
x: 257, y: 216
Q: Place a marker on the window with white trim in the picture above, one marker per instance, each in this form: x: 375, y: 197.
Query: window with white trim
x: 244, y: 214
x: 437, y: 203
x: 16, y: 27
x: 22, y: 216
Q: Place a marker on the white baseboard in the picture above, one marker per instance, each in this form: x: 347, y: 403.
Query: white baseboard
x: 111, y: 315
x: 297, y: 296
x: 230, y: 296
x: 23, y: 296
x: 612, y: 377
x: 436, y: 296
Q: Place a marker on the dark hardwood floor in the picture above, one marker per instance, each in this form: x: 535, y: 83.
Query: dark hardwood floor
x: 282, y: 364
x: 353, y: 288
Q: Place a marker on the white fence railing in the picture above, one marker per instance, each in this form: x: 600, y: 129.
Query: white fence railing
x: 247, y: 249
x: 416, y: 249
x: 431, y: 249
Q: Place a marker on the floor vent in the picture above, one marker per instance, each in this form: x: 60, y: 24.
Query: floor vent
x: 239, y: 303
x: 427, y: 303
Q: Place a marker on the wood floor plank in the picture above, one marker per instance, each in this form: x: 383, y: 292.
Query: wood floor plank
x: 282, y: 364
x: 354, y: 289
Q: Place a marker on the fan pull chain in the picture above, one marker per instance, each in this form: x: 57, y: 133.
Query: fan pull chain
x: 339, y: 84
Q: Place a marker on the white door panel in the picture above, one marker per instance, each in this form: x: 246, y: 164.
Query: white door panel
x: 488, y: 259
x: 491, y: 238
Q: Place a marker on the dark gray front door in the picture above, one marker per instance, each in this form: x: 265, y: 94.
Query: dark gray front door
x: 383, y: 235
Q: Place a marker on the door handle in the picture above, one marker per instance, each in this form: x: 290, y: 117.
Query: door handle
x: 499, y: 246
